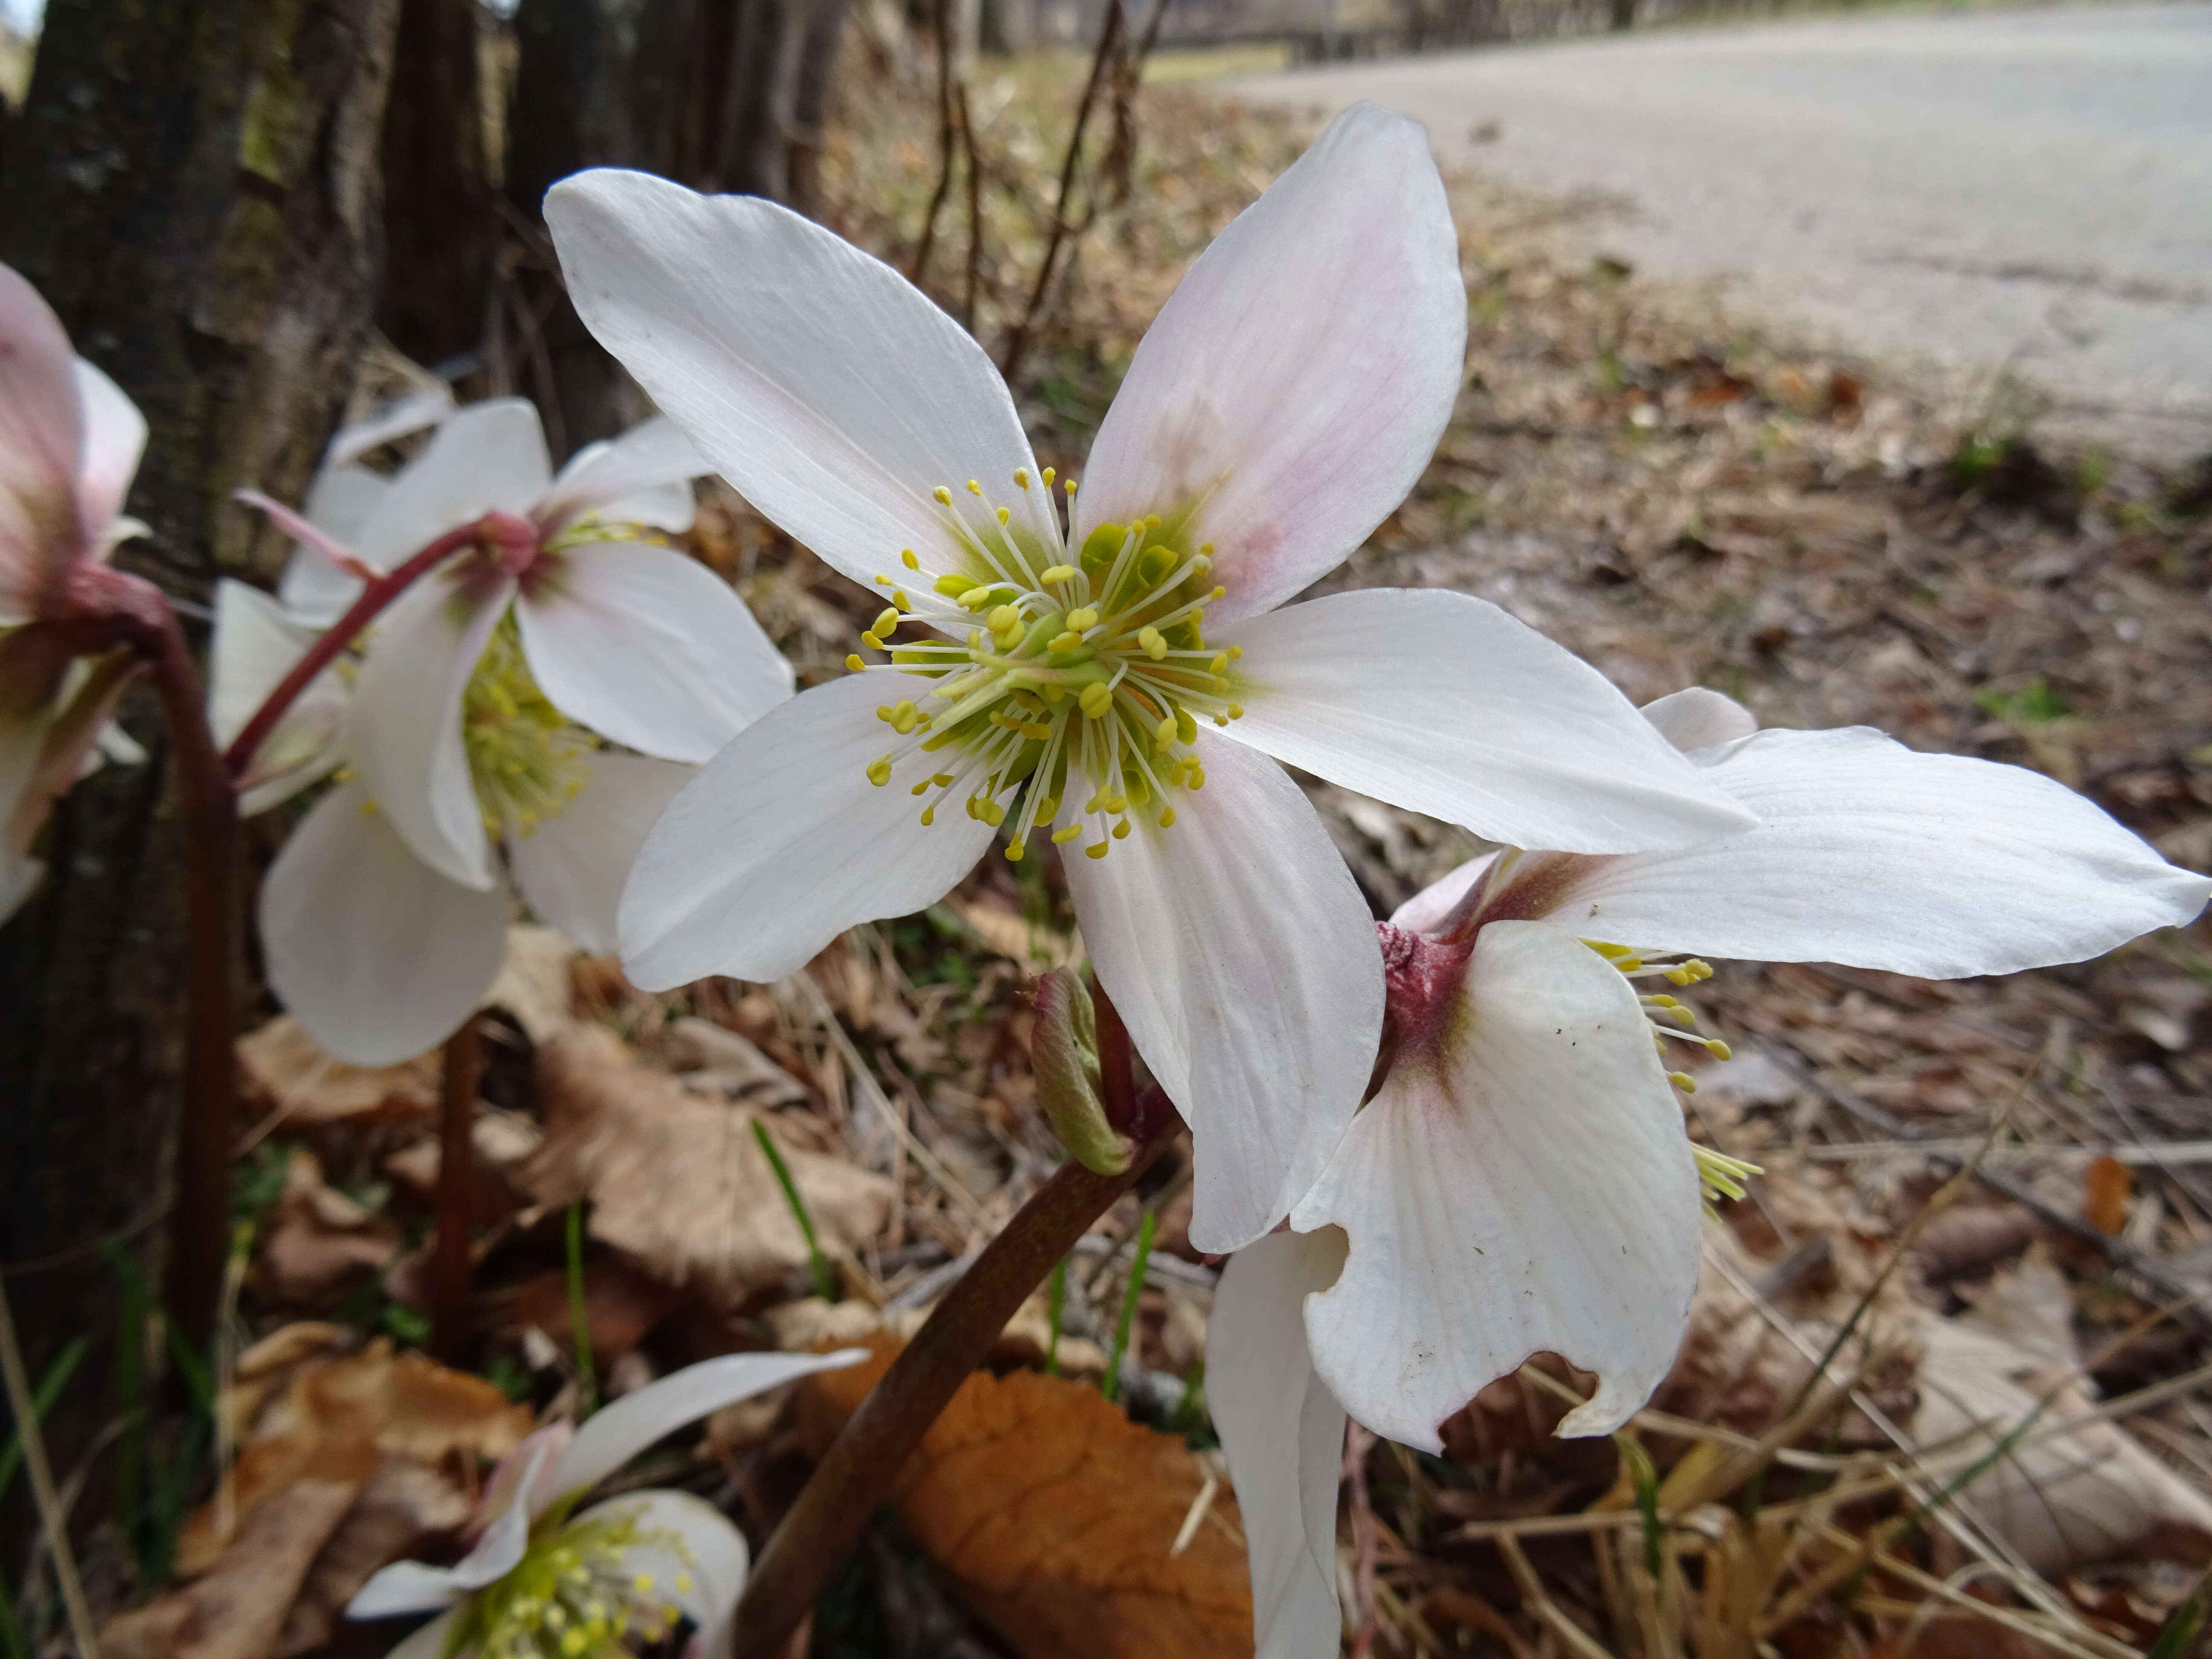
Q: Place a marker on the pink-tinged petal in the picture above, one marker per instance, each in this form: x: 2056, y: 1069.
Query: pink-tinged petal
x: 525, y: 1465
x: 114, y: 439
x: 644, y: 477
x: 1443, y: 704
x: 490, y: 456
x: 1521, y: 1184
x: 1295, y: 384
x: 1243, y: 959
x: 41, y: 438
x: 782, y: 843
x: 434, y: 1641
x: 77, y: 737
x: 376, y: 954
x: 571, y: 866
x: 1700, y: 719
x: 702, y: 1583
x: 1871, y: 854
x: 257, y: 642
x: 1283, y: 1434
x: 340, y: 504
x: 619, y: 1430
x: 648, y: 647
x: 405, y: 1586
x: 406, y: 732
x: 822, y: 384
x: 402, y: 418
x: 1429, y: 910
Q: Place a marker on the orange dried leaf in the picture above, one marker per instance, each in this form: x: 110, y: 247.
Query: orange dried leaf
x: 1052, y: 1516
x: 2105, y: 1188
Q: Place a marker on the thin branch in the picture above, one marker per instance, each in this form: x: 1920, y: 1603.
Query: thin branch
x: 944, y: 143
x: 975, y: 182
x: 450, y: 1266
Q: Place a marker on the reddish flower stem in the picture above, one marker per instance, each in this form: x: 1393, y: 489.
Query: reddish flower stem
x: 342, y: 633
x: 863, y: 1464
x: 450, y: 1267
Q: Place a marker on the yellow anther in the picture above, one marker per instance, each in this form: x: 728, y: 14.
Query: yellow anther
x: 1098, y: 851
x: 1047, y: 478
x: 1021, y: 478
x: 1154, y: 641
x: 1167, y: 818
x: 1059, y: 573
x: 1004, y: 513
x: 1061, y: 837
x: 1120, y: 829
x: 1221, y: 719
x: 1235, y: 652
x: 992, y: 814
x: 1070, y: 488
x: 921, y: 788
x: 1082, y: 617
x: 1065, y: 641
x: 929, y: 815
x: 1163, y: 734
x: 944, y: 496
x: 854, y: 662
x: 1198, y: 777
x: 887, y: 624
x: 1220, y: 661
x: 1055, y: 693
x: 1014, y: 847
x: 1095, y: 699
x: 943, y: 779
x: 882, y: 581
x: 642, y: 1583
x: 901, y: 599
x: 1218, y: 594
x: 1235, y: 711
x: 1683, y: 1081
x: 1116, y: 803
x: 974, y: 489
x: 1207, y: 548
x: 907, y: 558
x: 904, y: 718
x: 1185, y: 725
x: 879, y: 771
x: 977, y: 598
x: 953, y: 586
x: 884, y: 713
x: 1003, y: 619
x: 1151, y: 522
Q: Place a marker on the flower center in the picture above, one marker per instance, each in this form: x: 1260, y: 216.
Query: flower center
x: 571, y: 1595
x: 1060, y: 688
x: 525, y: 759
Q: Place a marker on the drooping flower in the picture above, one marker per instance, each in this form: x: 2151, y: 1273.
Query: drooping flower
x: 1121, y: 688
x: 547, y: 1580
x: 70, y: 443
x: 1523, y: 1180
x: 485, y: 704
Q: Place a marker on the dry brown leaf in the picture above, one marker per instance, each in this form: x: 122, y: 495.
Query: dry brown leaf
x: 2107, y: 1185
x: 621, y: 1307
x: 1052, y: 1516
x: 319, y: 1244
x: 402, y: 1504
x: 282, y: 1069
x: 711, y: 1056
x: 1010, y: 933
x: 536, y: 983
x: 677, y: 1180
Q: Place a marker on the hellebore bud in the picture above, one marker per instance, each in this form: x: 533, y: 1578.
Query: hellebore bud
x: 1064, y: 1056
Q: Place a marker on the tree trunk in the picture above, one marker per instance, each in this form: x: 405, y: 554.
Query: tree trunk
x: 194, y: 188
x: 439, y: 226
x: 719, y: 95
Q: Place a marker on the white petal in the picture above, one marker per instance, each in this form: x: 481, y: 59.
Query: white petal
x: 1244, y: 960
x: 41, y: 438
x: 379, y: 956
x: 644, y: 477
x: 1443, y: 704
x: 403, y: 416
x: 1521, y: 1184
x: 821, y: 383
x: 618, y: 1431
x: 571, y: 866
x: 1295, y: 384
x: 430, y: 1642
x: 714, y: 1562
x: 405, y: 1586
x: 256, y: 644
x: 1700, y: 719
x: 648, y: 647
x: 488, y: 456
x: 782, y: 843
x: 340, y: 503
x: 406, y: 733
x: 114, y: 439
x: 1283, y: 1434
x: 506, y: 1539
x: 1430, y: 910
x: 1870, y: 854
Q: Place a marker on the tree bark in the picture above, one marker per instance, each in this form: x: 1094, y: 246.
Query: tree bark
x: 194, y: 188
x: 439, y: 228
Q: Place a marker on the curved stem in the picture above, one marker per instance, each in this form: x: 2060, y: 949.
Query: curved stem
x: 864, y: 1462
x: 450, y: 1266
x: 342, y: 633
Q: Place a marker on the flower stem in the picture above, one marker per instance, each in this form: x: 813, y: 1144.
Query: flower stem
x: 580, y: 1318
x: 864, y: 1462
x: 450, y: 1266
x: 341, y: 634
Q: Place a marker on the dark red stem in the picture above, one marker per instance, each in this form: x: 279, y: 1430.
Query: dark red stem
x: 450, y: 1267
x: 864, y: 1462
x: 341, y: 634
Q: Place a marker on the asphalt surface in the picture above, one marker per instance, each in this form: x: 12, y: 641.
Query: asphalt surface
x: 1976, y: 188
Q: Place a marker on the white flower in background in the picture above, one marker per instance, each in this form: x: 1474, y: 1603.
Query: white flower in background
x: 549, y: 1581
x: 481, y: 710
x: 1523, y: 1181
x: 70, y: 443
x: 1117, y: 690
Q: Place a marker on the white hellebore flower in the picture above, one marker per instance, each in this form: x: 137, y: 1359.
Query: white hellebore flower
x: 1116, y: 690
x: 478, y: 711
x: 547, y: 1581
x: 70, y: 443
x: 1523, y: 1180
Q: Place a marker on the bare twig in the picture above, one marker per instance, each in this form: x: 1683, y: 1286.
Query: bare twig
x: 946, y: 139
x: 457, y: 1171
x: 975, y: 274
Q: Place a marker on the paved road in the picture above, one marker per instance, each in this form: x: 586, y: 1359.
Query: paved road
x: 2031, y: 185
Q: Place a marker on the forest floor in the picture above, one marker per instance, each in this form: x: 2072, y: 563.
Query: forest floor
x: 2009, y: 1451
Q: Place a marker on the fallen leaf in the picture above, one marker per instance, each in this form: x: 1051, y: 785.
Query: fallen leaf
x: 402, y: 1506
x: 1052, y: 1516
x: 2105, y: 1188
x: 678, y: 1181
x: 710, y: 1056
x: 283, y: 1070
x: 536, y: 983
x: 621, y: 1307
x: 319, y: 1244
